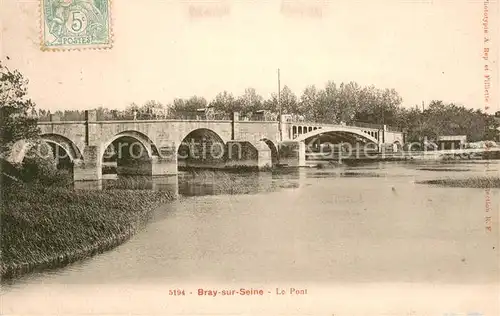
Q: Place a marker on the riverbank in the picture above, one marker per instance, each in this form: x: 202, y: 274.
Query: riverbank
x: 472, y: 182
x: 49, y: 227
x: 437, y: 155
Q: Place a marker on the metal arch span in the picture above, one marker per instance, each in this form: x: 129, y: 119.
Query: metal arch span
x: 341, y: 129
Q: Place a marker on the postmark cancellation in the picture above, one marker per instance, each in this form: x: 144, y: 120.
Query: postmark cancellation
x: 75, y: 24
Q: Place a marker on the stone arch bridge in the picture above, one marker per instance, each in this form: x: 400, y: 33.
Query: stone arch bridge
x: 159, y: 147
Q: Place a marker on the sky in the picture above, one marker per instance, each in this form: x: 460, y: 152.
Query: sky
x: 424, y: 49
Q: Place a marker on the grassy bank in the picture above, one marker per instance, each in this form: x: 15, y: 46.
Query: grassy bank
x: 49, y: 227
x: 473, y: 182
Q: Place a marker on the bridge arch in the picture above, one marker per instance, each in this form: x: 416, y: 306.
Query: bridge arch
x: 128, y: 153
x: 141, y: 138
x: 65, y: 143
x: 200, y: 146
x: 274, y: 150
x: 23, y: 146
x: 342, y: 131
x: 201, y: 133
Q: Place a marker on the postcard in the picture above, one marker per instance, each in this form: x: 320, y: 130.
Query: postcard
x: 250, y: 157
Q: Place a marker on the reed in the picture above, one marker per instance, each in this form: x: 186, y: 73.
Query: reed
x: 50, y: 227
x: 472, y: 182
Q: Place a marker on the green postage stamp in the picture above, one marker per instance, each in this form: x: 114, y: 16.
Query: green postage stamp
x: 75, y: 24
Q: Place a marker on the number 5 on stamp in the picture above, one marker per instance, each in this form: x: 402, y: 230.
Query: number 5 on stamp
x: 75, y: 24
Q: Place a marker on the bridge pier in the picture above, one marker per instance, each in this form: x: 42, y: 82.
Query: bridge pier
x: 90, y: 167
x: 293, y: 153
x: 164, y: 166
x: 247, y: 154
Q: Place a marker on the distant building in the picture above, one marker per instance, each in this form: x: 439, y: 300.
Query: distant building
x: 451, y: 141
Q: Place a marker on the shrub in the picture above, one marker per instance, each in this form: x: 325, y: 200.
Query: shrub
x: 41, y: 168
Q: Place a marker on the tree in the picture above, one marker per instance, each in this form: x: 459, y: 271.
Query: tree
x: 196, y: 103
x: 102, y: 113
x: 152, y: 110
x: 327, y: 99
x: 16, y: 109
x: 250, y: 102
x: 73, y: 115
x: 225, y: 103
x: 346, y: 103
x: 131, y: 111
x: 271, y: 104
x: 440, y: 118
x: 187, y: 109
x: 309, y: 104
x: 289, y: 103
x: 390, y: 104
x: 378, y: 106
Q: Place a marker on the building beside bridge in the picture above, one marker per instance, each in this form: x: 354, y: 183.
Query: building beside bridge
x: 447, y: 142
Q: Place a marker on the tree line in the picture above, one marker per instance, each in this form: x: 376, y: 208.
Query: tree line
x: 335, y: 103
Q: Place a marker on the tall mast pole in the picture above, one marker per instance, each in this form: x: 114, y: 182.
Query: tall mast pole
x: 279, y: 105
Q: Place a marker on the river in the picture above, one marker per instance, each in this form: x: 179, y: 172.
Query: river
x: 362, y: 240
